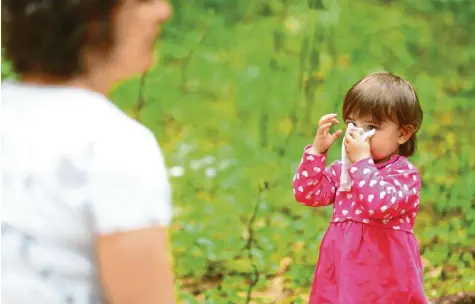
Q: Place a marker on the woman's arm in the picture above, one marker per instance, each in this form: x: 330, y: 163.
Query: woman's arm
x: 135, y: 267
x: 130, y: 206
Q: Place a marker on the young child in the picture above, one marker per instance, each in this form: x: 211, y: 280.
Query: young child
x: 369, y: 254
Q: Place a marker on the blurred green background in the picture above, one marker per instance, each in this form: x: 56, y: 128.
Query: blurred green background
x: 236, y: 95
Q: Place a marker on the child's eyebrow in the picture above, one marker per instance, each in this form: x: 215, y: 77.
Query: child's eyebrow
x: 373, y: 121
x: 366, y: 121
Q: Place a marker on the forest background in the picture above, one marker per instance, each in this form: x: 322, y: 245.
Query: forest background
x: 236, y: 95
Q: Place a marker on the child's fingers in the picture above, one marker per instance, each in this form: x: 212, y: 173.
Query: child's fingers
x: 326, y: 119
x: 337, y: 134
x: 348, y: 139
x: 323, y: 129
x: 355, y: 134
x: 346, y: 150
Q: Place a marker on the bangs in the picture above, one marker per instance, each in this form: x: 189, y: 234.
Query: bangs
x: 376, y: 105
x: 380, y: 96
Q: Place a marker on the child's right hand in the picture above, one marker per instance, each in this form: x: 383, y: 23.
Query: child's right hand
x: 323, y: 139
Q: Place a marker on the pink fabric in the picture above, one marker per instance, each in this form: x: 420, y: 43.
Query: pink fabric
x: 369, y: 253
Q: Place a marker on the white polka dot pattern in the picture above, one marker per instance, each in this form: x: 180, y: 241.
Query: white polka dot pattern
x: 384, y: 194
x: 313, y: 184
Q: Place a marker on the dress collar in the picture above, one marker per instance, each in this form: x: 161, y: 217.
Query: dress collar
x: 391, y: 160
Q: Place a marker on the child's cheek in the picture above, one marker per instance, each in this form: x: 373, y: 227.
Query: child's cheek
x: 373, y: 146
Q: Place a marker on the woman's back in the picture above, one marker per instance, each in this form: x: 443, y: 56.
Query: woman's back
x: 74, y: 167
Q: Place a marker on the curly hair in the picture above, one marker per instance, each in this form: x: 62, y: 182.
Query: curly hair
x: 49, y: 36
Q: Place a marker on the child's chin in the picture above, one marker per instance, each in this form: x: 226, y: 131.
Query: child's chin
x: 377, y: 158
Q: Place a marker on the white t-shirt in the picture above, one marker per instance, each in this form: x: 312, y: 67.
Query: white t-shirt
x: 73, y: 166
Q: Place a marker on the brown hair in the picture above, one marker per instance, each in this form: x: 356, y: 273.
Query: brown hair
x: 42, y: 36
x: 385, y: 96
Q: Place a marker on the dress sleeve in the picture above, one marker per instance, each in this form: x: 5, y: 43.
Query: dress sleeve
x: 386, y: 196
x: 130, y: 188
x: 313, y: 184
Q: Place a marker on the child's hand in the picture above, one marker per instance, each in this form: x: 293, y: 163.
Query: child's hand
x: 357, y: 148
x: 323, y: 139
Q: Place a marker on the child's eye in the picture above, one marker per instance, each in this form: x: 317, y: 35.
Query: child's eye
x: 371, y: 128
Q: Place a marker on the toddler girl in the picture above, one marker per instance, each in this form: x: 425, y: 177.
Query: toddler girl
x: 369, y: 254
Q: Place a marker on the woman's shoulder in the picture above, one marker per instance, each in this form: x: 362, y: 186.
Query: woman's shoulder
x: 118, y: 134
x: 69, y: 119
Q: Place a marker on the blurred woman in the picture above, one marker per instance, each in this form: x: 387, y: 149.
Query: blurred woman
x: 86, y: 199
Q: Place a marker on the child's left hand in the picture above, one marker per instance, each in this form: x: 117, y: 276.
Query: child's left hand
x: 357, y: 148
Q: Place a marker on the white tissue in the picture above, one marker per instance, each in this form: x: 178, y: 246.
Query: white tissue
x: 345, y: 181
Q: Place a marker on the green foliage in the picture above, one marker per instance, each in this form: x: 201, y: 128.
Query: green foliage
x: 6, y: 68
x: 236, y: 96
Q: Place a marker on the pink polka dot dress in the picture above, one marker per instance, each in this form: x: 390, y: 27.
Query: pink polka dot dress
x: 369, y: 254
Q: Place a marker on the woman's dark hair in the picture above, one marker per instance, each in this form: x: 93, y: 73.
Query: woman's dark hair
x: 49, y: 36
x: 385, y: 96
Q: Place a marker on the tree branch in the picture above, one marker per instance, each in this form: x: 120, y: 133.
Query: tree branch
x: 141, y: 97
x: 250, y: 244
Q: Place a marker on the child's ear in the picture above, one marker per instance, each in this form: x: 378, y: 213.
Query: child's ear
x: 404, y: 134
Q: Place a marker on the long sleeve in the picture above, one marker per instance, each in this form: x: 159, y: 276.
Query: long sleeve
x: 313, y: 184
x: 386, y: 194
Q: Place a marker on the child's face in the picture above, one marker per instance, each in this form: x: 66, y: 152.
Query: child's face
x: 387, y: 138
